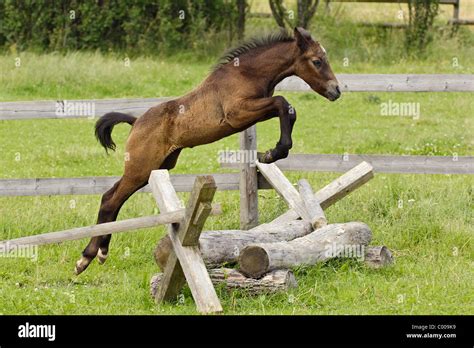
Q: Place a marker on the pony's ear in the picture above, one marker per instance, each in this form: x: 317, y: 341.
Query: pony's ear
x: 303, y: 38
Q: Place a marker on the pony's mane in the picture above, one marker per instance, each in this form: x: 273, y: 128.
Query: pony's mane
x: 252, y: 44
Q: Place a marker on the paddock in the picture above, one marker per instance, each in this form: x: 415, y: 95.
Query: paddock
x: 251, y: 178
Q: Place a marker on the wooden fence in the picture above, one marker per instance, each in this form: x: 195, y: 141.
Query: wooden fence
x: 348, y: 83
x: 248, y: 180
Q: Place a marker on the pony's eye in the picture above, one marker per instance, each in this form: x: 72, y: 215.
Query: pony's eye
x: 317, y: 63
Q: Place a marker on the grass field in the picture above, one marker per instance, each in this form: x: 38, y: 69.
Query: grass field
x: 427, y: 220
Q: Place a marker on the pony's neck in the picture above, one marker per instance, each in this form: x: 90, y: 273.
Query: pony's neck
x: 274, y: 64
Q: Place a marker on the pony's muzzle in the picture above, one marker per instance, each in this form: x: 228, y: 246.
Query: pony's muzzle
x: 333, y: 92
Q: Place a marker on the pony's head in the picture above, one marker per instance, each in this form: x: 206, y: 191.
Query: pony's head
x: 313, y: 67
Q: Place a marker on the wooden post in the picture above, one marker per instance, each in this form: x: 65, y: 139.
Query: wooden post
x: 456, y: 11
x: 185, y: 262
x: 248, y: 180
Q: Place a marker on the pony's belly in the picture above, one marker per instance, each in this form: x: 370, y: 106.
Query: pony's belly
x: 200, y: 134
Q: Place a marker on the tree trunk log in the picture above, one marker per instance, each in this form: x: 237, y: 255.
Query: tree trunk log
x: 276, y: 281
x: 378, y: 256
x: 347, y: 239
x: 220, y: 247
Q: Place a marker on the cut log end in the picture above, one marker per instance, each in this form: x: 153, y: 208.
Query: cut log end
x: 162, y: 251
x: 253, y: 261
x: 378, y: 256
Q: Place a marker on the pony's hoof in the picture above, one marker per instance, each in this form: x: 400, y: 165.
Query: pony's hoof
x: 81, y: 265
x: 265, y: 157
x: 101, y: 257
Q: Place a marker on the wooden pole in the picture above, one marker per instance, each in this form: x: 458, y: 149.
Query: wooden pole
x: 96, y: 230
x: 100, y: 229
x: 248, y: 180
x: 336, y: 190
x: 283, y: 186
x: 315, y: 212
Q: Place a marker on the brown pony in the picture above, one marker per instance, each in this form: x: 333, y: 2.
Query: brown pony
x: 236, y: 95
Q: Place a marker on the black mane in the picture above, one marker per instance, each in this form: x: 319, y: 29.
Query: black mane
x: 250, y: 45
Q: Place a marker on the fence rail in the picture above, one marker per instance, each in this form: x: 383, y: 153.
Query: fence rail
x: 348, y: 82
x: 100, y: 184
x: 381, y: 163
x: 231, y: 181
x: 391, y: 83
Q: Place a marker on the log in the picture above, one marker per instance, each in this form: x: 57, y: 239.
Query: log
x: 313, y: 208
x: 330, y: 241
x: 277, y: 281
x: 220, y: 247
x: 378, y: 256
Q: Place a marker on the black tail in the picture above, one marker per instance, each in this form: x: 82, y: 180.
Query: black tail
x: 105, y: 124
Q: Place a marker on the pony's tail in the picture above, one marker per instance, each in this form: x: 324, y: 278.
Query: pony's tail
x: 105, y: 124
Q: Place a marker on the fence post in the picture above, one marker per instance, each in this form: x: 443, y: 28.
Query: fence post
x: 456, y: 10
x: 248, y: 180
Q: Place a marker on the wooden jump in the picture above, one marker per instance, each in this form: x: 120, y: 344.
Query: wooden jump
x: 187, y: 249
x: 266, y: 253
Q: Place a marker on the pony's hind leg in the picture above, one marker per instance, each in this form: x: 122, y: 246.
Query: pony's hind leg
x: 169, y: 163
x: 135, y: 177
x: 110, y: 205
x: 107, y: 216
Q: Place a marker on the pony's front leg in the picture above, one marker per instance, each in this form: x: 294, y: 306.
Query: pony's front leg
x: 287, y: 115
x: 258, y: 110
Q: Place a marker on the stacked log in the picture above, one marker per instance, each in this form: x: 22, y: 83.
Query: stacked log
x: 275, y: 281
x: 223, y: 247
x: 327, y: 242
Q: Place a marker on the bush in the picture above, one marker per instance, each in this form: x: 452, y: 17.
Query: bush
x: 421, y: 17
x: 140, y: 25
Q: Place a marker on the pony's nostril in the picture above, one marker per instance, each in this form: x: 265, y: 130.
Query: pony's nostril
x: 338, y: 90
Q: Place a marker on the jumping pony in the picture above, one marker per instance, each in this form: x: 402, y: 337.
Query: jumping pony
x: 237, y: 94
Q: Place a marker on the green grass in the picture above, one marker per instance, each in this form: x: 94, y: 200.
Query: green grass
x: 431, y: 235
